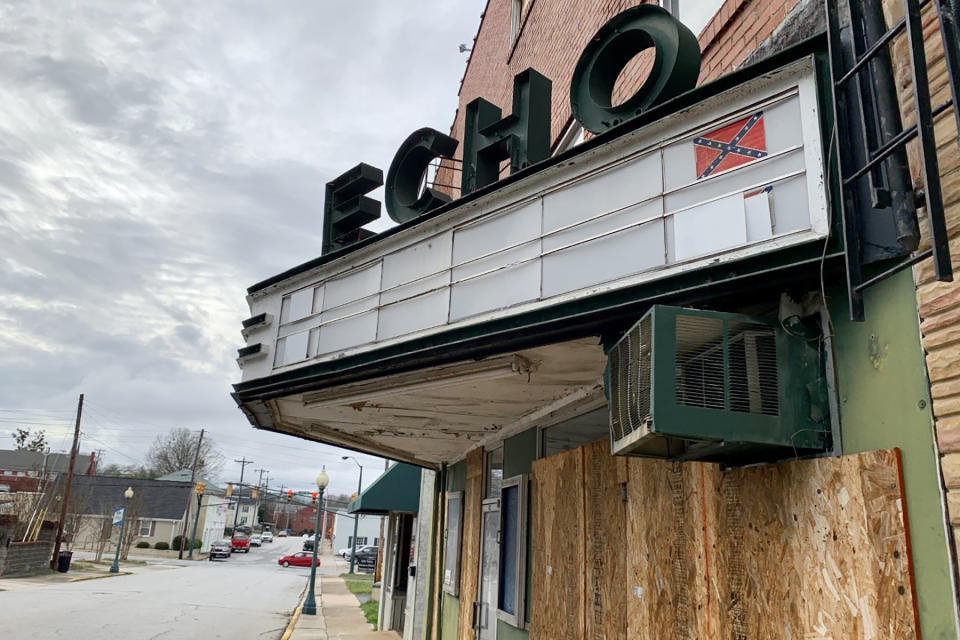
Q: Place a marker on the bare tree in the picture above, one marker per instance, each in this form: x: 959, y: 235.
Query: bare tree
x: 175, y: 450
x: 106, y: 530
x: 24, y: 440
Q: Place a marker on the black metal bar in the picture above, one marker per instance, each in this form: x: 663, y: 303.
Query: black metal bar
x: 951, y: 49
x: 881, y: 41
x: 849, y: 214
x: 869, y: 53
x: 889, y: 147
x: 930, y: 168
x: 909, y: 262
x: 868, y: 86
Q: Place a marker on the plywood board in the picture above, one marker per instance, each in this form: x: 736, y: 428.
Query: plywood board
x: 606, y: 544
x: 668, y: 558
x: 557, y: 588
x: 802, y: 550
x: 816, y: 549
x: 470, y: 545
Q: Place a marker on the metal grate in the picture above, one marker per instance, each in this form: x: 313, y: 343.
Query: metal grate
x: 700, y: 362
x: 629, y: 373
x: 753, y: 368
x: 862, y: 80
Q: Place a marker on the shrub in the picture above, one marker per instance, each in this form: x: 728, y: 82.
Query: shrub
x: 162, y: 546
x: 177, y: 541
x: 197, y: 544
x: 143, y: 544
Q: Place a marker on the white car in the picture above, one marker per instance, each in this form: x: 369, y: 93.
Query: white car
x: 266, y: 536
x: 345, y: 552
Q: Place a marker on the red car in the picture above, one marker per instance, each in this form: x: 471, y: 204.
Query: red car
x: 298, y: 559
x: 240, y: 543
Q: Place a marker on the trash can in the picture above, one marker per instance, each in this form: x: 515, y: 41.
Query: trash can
x: 63, y: 561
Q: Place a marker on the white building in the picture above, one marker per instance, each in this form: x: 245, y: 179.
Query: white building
x: 368, y: 530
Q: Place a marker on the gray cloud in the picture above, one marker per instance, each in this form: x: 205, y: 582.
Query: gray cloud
x: 155, y: 160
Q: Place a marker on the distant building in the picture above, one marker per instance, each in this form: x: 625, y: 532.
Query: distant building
x: 25, y: 471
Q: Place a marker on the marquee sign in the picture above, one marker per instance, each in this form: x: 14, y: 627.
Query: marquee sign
x: 523, y: 137
x: 736, y: 174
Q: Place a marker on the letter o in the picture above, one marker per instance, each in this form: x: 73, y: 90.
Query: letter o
x: 675, y: 69
x: 402, y: 195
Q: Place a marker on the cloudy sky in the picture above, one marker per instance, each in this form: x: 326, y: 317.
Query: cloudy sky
x: 158, y: 158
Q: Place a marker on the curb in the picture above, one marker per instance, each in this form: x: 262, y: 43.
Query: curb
x: 109, y: 575
x: 296, y: 616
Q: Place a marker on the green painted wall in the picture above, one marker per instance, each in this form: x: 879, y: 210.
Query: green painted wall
x: 519, y: 452
x: 508, y: 632
x: 457, y: 476
x: 449, y: 617
x: 884, y: 401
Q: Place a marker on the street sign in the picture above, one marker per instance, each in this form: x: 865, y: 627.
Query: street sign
x: 117, y: 516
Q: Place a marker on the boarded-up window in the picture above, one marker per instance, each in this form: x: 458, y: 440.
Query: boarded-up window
x: 451, y: 556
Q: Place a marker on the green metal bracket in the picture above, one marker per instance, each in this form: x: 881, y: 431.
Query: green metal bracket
x: 523, y: 137
x: 346, y: 209
x: 676, y: 66
x: 402, y: 194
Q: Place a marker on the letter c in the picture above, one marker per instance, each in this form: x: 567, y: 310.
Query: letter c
x: 402, y: 195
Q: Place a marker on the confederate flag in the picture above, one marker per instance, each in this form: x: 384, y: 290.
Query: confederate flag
x: 732, y: 145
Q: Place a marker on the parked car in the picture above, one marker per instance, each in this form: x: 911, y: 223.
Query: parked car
x: 220, y: 549
x: 255, y: 541
x: 367, y: 553
x: 245, y: 529
x: 240, y: 543
x: 266, y: 536
x: 282, y: 534
x: 298, y: 559
x: 308, y: 544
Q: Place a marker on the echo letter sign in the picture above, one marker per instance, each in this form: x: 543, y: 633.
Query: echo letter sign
x: 523, y: 137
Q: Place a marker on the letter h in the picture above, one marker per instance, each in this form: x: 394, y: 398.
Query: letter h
x: 523, y: 137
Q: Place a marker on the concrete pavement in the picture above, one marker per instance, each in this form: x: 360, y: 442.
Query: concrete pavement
x: 338, y: 615
x: 247, y: 596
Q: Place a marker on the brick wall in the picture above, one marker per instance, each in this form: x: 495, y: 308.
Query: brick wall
x: 938, y: 302
x: 554, y: 33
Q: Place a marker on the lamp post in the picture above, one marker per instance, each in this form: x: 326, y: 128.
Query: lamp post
x: 115, y: 567
x: 356, y: 517
x: 198, y: 489
x: 310, y: 604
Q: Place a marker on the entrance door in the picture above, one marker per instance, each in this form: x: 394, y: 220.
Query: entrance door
x: 489, y: 571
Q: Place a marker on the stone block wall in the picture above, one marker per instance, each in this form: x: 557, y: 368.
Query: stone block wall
x: 18, y: 558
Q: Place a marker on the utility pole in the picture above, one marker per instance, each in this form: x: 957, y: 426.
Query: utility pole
x: 193, y: 477
x: 276, y: 503
x: 256, y: 509
x: 66, y: 489
x: 243, y: 465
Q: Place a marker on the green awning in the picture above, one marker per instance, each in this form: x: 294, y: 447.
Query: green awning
x: 398, y: 489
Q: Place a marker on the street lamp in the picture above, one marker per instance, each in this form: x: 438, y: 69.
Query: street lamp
x: 115, y: 567
x: 310, y: 604
x: 356, y: 517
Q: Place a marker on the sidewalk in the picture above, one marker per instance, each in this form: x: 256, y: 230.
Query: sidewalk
x: 338, y: 612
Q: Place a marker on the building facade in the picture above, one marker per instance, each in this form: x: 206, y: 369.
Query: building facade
x: 657, y: 347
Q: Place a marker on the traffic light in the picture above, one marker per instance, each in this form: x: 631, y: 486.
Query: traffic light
x: 314, y: 495
x: 229, y: 489
x: 200, y: 488
x: 254, y: 493
x: 289, y: 495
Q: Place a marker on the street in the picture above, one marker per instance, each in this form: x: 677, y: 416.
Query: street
x: 247, y: 596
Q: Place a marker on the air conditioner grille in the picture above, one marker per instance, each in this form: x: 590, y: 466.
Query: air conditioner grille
x: 630, y: 368
x: 751, y: 363
x: 699, y: 363
x: 753, y: 369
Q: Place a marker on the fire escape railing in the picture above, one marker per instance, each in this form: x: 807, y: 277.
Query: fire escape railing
x: 863, y: 96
